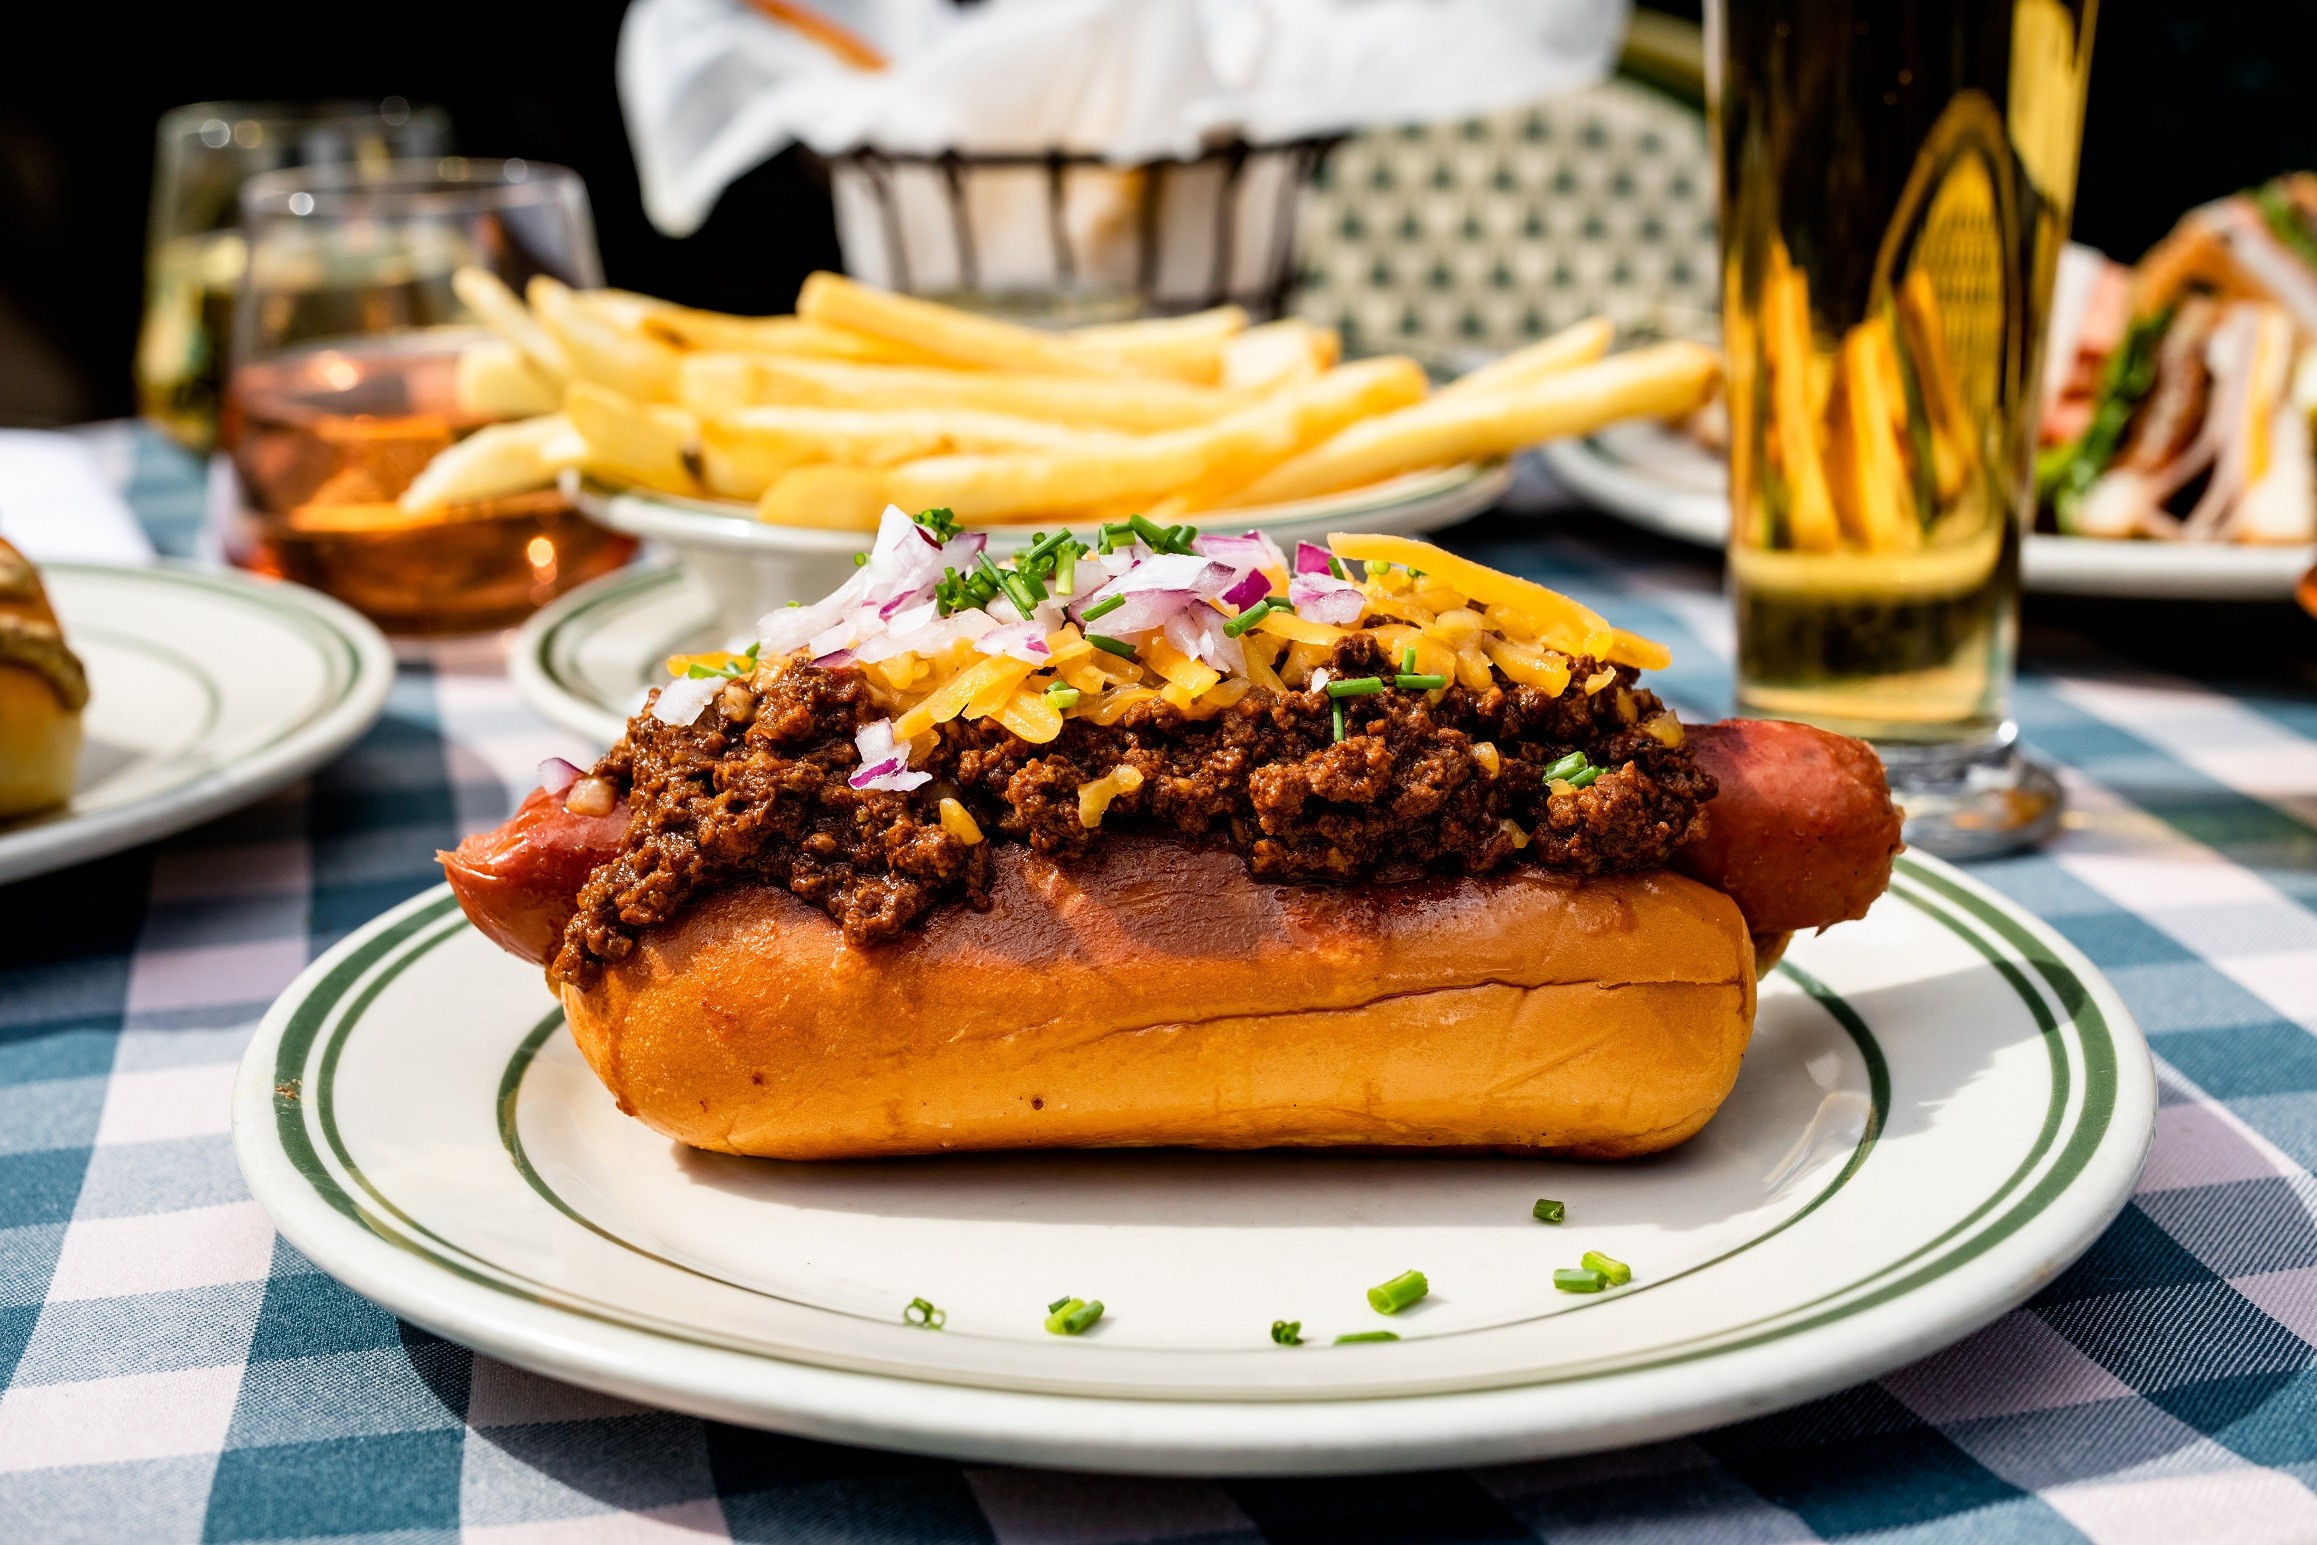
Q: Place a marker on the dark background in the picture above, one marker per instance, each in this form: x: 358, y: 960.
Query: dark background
x: 2187, y: 102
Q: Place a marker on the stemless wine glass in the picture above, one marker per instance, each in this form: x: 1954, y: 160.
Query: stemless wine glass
x: 193, y: 247
x: 345, y: 383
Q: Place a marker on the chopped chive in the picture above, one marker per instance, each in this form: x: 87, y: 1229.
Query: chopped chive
x: 860, y: 560
x: 1159, y: 538
x: 1365, y: 1335
x: 1101, y: 608
x: 1584, y: 778
x: 1060, y: 696
x: 1615, y: 1270
x: 700, y: 672
x: 1549, y: 1211
x: 1042, y: 545
x: 1408, y: 660
x: 1393, y: 1296
x: 1109, y: 645
x: 1288, y: 1333
x: 1338, y: 709
x: 1335, y: 566
x: 1356, y: 686
x: 1567, y: 766
x: 942, y: 523
x: 924, y: 1315
x: 1070, y: 1316
x: 1066, y: 569
x: 1412, y: 683
x: 1248, y: 618
x: 1579, y: 1279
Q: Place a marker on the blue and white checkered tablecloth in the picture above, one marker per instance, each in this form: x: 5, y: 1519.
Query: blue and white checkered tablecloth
x: 172, y: 1371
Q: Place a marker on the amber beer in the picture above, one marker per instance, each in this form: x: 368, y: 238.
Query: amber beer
x: 1897, y: 179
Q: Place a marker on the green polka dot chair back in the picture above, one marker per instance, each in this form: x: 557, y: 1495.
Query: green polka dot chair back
x: 1454, y: 241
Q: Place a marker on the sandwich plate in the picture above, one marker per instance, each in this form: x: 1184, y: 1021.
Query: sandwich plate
x: 1665, y: 482
x: 1943, y: 1104
x: 206, y: 691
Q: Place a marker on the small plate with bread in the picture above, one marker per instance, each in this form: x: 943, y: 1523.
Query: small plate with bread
x: 1153, y: 1003
x: 136, y: 702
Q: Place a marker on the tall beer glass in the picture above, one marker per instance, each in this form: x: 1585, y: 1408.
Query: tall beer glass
x: 1896, y: 181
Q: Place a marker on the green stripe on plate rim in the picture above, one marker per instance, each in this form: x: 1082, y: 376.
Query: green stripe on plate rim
x: 397, y: 946
x: 344, y: 656
x: 552, y: 651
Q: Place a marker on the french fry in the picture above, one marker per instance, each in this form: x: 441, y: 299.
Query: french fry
x: 628, y: 362
x: 720, y: 383
x: 499, y: 309
x: 1278, y: 354
x: 1658, y: 381
x: 1794, y: 448
x: 633, y: 442
x: 1866, y: 470
x: 1186, y: 348
x: 1093, y: 470
x: 494, y: 461
x: 683, y: 328
x: 497, y: 380
x: 1581, y: 344
x: 1322, y: 407
x: 744, y: 452
x: 827, y: 497
x: 955, y: 335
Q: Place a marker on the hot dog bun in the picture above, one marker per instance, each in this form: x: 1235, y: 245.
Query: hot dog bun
x: 1157, y: 995
x: 42, y: 691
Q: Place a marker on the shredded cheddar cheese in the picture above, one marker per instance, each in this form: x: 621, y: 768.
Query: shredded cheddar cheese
x: 1094, y: 797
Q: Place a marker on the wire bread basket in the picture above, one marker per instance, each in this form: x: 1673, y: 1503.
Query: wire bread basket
x: 1068, y: 237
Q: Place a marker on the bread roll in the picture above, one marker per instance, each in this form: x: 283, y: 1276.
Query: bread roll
x: 1155, y: 994
x: 42, y: 691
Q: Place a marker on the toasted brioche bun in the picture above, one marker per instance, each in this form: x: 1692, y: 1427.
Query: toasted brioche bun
x: 39, y: 743
x: 42, y: 691
x: 1156, y: 994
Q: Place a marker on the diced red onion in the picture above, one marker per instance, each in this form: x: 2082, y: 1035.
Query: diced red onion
x: 681, y: 701
x: 1325, y: 599
x: 1252, y: 587
x: 834, y: 659
x: 1142, y: 611
x: 1198, y: 632
x: 1250, y: 549
x: 1312, y: 560
x: 556, y: 775
x: 1021, y: 640
x: 884, y: 763
x: 1318, y: 679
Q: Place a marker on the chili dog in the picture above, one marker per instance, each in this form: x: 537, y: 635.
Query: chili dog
x: 941, y: 865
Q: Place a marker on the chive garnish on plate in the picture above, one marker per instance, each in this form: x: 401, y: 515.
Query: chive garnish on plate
x: 1393, y: 1296
x: 1549, y: 1211
x: 1071, y: 1316
x: 1579, y: 1279
x: 1365, y: 1335
x: 924, y: 1315
x: 1288, y: 1333
x: 1616, y: 1271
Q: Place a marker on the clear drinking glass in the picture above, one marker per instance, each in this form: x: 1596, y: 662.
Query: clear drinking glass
x: 344, y: 384
x: 193, y: 247
x: 1897, y: 178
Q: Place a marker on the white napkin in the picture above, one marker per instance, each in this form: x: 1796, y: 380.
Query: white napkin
x: 710, y: 88
x: 56, y: 504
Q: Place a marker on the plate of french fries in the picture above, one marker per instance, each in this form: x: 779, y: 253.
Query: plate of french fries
x: 813, y: 423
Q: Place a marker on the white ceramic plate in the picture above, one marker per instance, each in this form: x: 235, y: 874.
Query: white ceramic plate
x: 584, y: 661
x: 749, y: 567
x: 1943, y: 1104
x: 206, y: 691
x: 1667, y: 483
